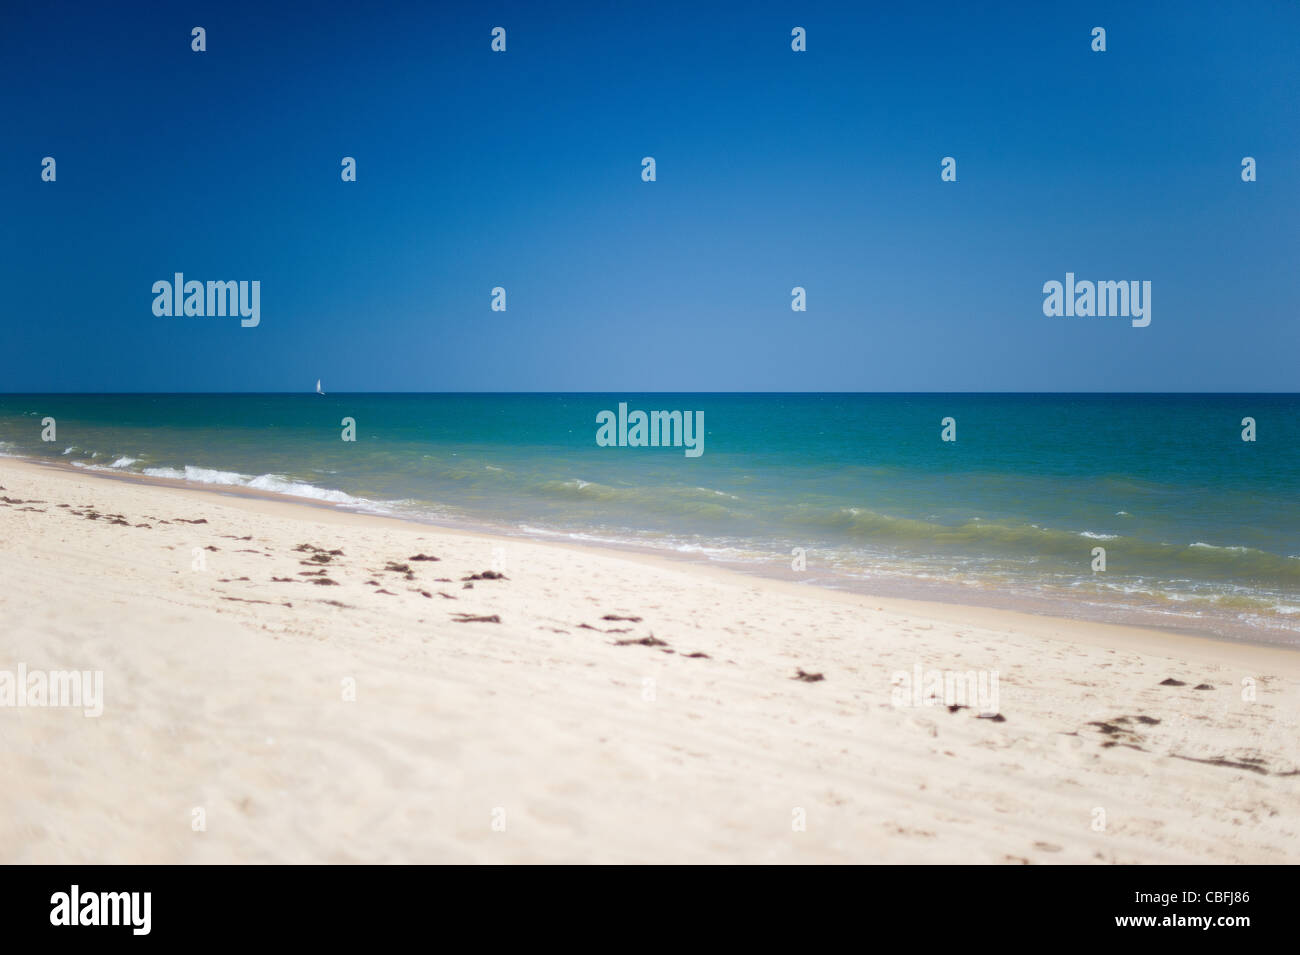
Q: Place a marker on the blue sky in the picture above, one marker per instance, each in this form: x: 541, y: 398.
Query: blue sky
x: 775, y: 169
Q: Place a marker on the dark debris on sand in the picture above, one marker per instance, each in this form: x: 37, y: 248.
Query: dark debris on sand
x: 1119, y: 732
x: 309, y: 549
x: 1246, y: 763
x: 650, y: 641
x: 1172, y: 682
x: 403, y: 569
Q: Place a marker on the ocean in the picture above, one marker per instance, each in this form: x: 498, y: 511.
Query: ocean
x: 1200, y: 529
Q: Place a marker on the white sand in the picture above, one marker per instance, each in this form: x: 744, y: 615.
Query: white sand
x: 591, y: 751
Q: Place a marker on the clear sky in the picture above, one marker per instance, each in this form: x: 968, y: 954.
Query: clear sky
x: 775, y: 169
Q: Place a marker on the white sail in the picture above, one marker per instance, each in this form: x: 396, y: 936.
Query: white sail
x: 319, y: 389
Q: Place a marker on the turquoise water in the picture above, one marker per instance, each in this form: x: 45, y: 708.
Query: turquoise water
x: 1201, y: 529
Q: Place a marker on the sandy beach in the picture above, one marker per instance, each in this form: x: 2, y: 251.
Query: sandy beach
x: 288, y: 683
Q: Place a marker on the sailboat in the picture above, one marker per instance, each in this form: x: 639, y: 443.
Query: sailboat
x: 319, y: 390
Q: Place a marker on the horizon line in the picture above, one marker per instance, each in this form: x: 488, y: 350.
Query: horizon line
x: 988, y: 394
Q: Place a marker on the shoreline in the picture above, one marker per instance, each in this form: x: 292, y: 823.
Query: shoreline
x: 911, y: 593
x: 1149, y: 637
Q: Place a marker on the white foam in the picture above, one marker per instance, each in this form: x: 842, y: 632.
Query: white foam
x: 282, y: 485
x: 274, y: 483
x: 709, y: 490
